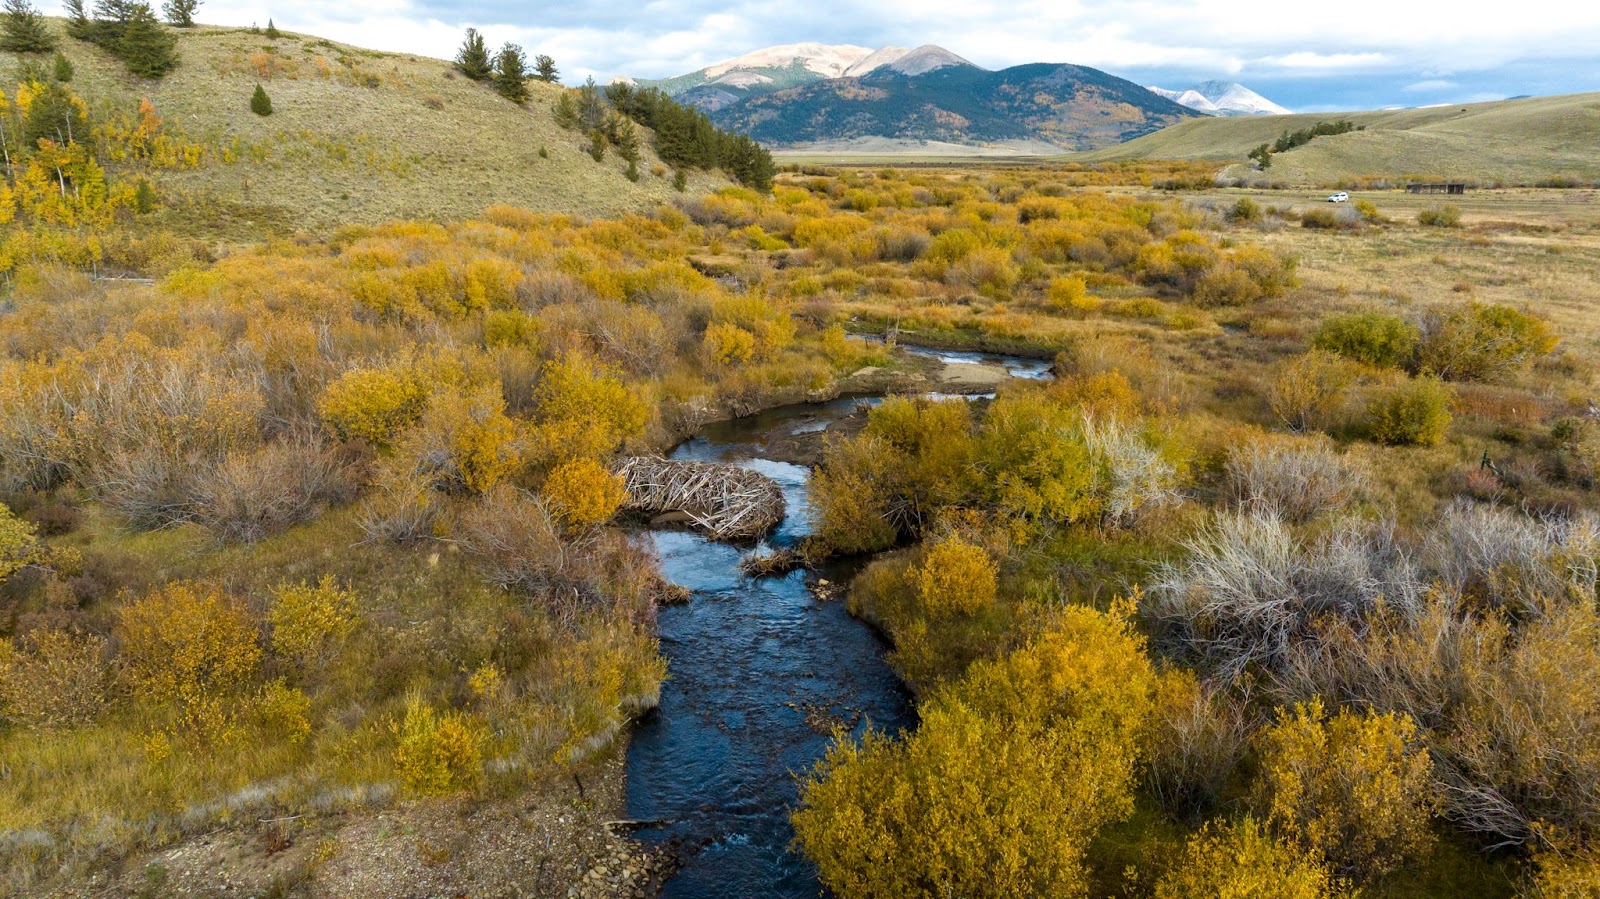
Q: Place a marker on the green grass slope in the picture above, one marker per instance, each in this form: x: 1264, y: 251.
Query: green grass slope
x: 356, y: 136
x: 1510, y: 141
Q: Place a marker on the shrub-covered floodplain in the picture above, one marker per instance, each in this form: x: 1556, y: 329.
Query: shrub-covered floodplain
x: 328, y: 521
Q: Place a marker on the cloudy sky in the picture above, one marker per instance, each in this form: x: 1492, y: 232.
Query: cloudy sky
x: 1315, y: 56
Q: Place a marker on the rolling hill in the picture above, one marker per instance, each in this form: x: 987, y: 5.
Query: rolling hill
x: 1510, y: 141
x: 930, y: 96
x: 356, y: 136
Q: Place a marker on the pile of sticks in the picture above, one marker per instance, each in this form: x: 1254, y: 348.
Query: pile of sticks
x: 726, y: 501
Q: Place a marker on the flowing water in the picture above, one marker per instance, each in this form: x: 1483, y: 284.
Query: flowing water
x: 759, y: 671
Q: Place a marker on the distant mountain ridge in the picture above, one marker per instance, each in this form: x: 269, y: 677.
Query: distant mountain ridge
x: 788, y: 65
x: 1224, y: 98
x: 801, y: 95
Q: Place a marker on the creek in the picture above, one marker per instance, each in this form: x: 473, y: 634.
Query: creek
x: 760, y: 672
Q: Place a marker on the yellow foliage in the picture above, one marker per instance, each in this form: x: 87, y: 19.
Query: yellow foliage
x: 1564, y: 872
x: 373, y: 404
x: 1310, y: 390
x: 583, y: 492
x: 1071, y: 292
x: 1038, y: 464
x: 956, y: 578
x: 1356, y: 788
x: 19, y: 544
x: 438, y: 753
x: 464, y: 441
x: 585, y: 413
x: 978, y: 801
x: 311, y: 622
x: 58, y: 679
x: 1243, y: 861
x: 486, y: 681
x: 190, y: 646
x: 727, y: 344
x: 285, y: 711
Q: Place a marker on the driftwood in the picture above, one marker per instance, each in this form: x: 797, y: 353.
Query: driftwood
x: 726, y: 501
x: 772, y: 564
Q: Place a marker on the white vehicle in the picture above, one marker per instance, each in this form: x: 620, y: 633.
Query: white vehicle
x: 1339, y: 197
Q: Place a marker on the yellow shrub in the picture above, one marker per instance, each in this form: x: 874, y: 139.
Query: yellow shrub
x: 285, y: 711
x: 583, y: 492
x: 464, y: 441
x: 1242, y: 861
x: 1309, y: 390
x: 956, y: 578
x: 1410, y: 411
x: 372, y: 404
x: 1001, y: 789
x: 438, y: 753
x: 509, y: 327
x: 726, y: 344
x: 1071, y: 292
x: 584, y: 412
x: 19, y: 544
x: 191, y: 647
x: 309, y: 623
x: 1356, y: 788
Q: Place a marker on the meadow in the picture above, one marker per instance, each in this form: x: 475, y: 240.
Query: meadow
x: 325, y: 526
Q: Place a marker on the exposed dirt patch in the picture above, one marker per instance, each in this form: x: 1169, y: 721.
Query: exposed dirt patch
x: 553, y: 841
x: 960, y: 377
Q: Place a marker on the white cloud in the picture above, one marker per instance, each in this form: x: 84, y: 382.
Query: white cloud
x: 1421, y: 41
x: 1431, y: 86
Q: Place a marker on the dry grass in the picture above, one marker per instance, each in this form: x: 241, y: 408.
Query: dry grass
x: 420, y: 142
x: 1510, y: 141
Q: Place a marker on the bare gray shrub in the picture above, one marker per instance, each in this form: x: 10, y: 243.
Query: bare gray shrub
x: 251, y: 495
x: 1135, y: 479
x: 1250, y: 588
x: 1297, y: 483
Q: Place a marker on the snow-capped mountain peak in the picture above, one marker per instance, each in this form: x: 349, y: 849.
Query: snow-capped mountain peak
x: 826, y: 60
x: 1223, y: 98
x: 1190, y: 98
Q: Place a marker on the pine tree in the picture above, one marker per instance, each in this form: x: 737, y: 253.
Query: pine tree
x: 680, y: 181
x: 624, y: 136
x: 591, y: 106
x: 473, y: 59
x: 24, y: 29
x: 272, y: 31
x: 597, y: 145
x: 633, y: 170
x: 260, y: 103
x: 62, y: 68
x: 144, y: 197
x: 79, y: 24
x: 181, y: 12
x: 566, y: 111
x: 110, y: 20
x: 54, y: 116
x: 147, y: 49
x: 511, y: 74
x: 544, y: 69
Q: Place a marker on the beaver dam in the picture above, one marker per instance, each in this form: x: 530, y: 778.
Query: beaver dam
x: 726, y: 501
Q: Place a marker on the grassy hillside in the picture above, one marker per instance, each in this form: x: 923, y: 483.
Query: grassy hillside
x: 356, y: 135
x: 1512, y: 141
